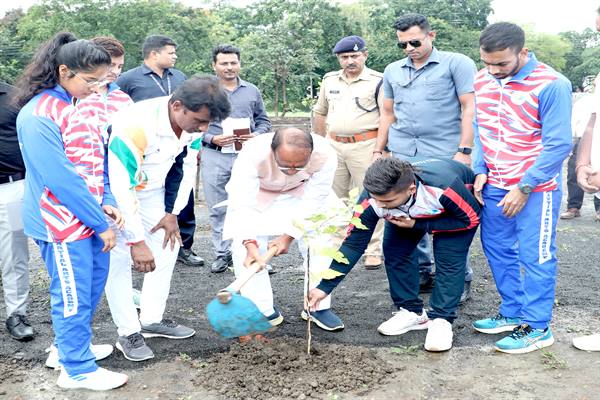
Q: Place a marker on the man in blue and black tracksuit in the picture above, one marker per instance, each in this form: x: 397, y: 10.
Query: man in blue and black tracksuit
x: 428, y: 196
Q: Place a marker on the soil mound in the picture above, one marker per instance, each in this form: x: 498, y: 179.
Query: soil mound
x: 281, y: 369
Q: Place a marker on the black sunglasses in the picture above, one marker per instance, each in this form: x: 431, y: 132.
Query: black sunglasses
x: 413, y: 43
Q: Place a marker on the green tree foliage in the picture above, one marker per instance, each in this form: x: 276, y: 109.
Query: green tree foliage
x: 582, y: 60
x: 550, y: 49
x: 286, y: 44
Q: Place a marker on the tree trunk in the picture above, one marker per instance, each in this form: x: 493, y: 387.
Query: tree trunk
x: 276, y: 98
x: 283, y: 98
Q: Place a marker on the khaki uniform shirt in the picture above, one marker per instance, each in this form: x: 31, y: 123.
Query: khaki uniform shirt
x: 338, y: 100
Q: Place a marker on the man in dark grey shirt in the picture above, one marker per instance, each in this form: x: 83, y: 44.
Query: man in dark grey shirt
x: 156, y: 76
x: 218, y: 148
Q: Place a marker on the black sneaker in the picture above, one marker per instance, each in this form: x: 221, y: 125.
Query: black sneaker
x: 188, y: 257
x: 19, y: 328
x: 221, y: 264
x: 134, y: 347
x: 167, y: 328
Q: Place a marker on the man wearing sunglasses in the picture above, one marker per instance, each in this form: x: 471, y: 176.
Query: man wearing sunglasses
x: 279, y: 178
x: 427, y: 110
x: 348, y: 113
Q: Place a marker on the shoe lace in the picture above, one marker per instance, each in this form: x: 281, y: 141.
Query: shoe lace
x: 169, y: 323
x: 520, y: 331
x: 136, y: 340
x: 23, y: 319
x: 498, y: 317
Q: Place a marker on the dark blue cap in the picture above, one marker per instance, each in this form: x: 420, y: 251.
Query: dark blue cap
x: 349, y: 44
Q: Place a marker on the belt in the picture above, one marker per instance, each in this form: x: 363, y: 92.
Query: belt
x: 12, y: 178
x: 359, y: 137
x: 212, y: 146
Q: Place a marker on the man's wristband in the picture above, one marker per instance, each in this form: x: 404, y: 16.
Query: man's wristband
x: 378, y: 151
x: 250, y: 241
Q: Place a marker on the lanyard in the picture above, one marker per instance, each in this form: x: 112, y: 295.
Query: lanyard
x: 160, y: 86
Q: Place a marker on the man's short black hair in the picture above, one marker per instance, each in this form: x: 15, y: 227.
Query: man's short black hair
x: 388, y: 174
x: 203, y: 91
x: 225, y: 49
x: 501, y: 36
x: 407, y: 21
x: 155, y: 43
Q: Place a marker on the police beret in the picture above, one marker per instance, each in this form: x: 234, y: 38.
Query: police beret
x: 349, y: 44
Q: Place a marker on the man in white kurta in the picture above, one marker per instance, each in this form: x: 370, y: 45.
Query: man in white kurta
x: 278, y: 178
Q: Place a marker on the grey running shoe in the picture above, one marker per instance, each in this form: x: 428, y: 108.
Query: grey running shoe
x: 167, y: 328
x: 134, y: 348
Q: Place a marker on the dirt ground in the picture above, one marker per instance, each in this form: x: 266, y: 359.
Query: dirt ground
x: 356, y: 363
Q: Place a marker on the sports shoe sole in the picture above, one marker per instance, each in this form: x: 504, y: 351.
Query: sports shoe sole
x: 147, y: 335
x: 74, y: 384
x: 276, y: 321
x: 540, y: 344
x: 120, y: 348
x: 304, y: 316
x: 421, y: 326
x: 491, y: 331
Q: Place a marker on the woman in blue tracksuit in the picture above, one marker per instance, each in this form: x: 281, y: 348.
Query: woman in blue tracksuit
x: 67, y: 198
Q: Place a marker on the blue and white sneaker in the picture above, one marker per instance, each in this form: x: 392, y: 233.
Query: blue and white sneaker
x: 276, y: 318
x: 525, y: 339
x: 497, y: 324
x: 325, y: 319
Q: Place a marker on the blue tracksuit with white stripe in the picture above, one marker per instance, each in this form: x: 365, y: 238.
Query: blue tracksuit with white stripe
x: 65, y: 187
x: 522, y: 135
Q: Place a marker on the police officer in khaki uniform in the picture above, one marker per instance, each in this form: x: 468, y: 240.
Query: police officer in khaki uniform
x: 348, y: 113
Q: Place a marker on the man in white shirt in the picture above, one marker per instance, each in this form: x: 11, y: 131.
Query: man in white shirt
x: 152, y: 167
x: 278, y: 178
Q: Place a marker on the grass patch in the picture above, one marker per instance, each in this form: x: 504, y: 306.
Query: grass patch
x: 407, y: 350
x: 552, y: 361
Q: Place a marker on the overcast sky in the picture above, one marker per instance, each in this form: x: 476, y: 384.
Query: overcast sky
x: 550, y: 16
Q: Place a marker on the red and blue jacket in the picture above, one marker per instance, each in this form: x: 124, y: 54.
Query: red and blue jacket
x: 443, y: 202
x: 64, y: 183
x: 522, y: 127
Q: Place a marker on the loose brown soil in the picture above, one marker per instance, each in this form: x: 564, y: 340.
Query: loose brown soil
x: 282, y: 369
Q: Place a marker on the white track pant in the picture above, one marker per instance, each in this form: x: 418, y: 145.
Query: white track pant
x: 157, y: 284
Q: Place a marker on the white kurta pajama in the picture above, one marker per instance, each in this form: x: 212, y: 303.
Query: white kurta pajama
x: 263, y: 202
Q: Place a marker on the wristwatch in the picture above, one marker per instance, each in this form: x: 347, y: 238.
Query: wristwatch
x: 465, y: 150
x: 525, y: 188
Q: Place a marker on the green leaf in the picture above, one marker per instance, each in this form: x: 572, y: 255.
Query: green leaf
x: 335, y: 254
x: 353, y: 194
x: 317, y: 218
x: 331, y: 229
x: 358, y: 223
x: 358, y: 208
x: 329, y: 274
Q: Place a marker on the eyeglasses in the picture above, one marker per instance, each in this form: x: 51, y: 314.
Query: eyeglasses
x: 92, y: 83
x: 287, y: 169
x: 414, y: 43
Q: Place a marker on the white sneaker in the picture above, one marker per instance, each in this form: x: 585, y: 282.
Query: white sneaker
x: 101, y: 351
x: 100, y: 379
x: 587, y: 343
x: 439, y: 335
x: 403, y: 321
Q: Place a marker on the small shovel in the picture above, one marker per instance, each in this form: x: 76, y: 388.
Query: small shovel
x: 232, y: 315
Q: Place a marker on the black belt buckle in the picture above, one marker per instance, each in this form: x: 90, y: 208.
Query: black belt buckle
x: 212, y: 146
